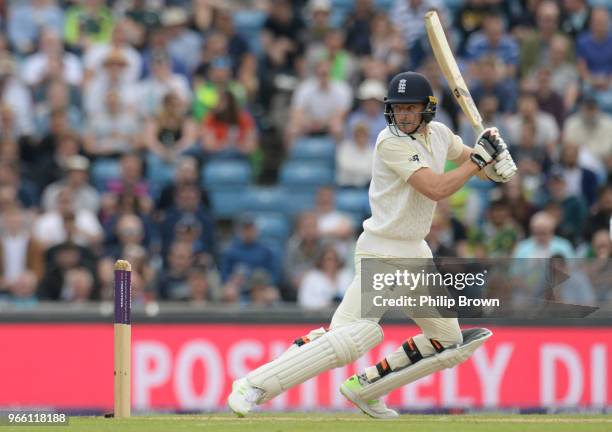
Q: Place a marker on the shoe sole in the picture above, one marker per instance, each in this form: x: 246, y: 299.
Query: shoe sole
x: 352, y: 397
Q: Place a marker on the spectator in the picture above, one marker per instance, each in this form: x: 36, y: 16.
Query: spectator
x: 546, y: 129
x: 216, y: 46
x: 79, y: 285
x: 500, y: 231
x: 595, y: 50
x: 77, y: 175
x: 113, y: 130
x: 548, y: 100
x: 161, y: 82
x: 542, y: 242
x: 171, y: 282
x: 354, y: 159
x: 343, y: 67
x: 113, y: 79
x: 319, y: 24
x: 87, y: 23
x: 531, y: 159
x: 23, y: 290
x: 20, y: 253
x: 187, y: 171
x: 132, y: 179
x: 188, y: 204
x: 170, y: 132
x: 262, y: 291
x: 571, y: 210
x: 324, y: 285
x: 282, y: 39
x: 243, y: 257
x: 580, y: 181
x: 599, y: 266
x: 599, y: 219
x: 575, y: 15
x: 97, y: 55
x: 358, y: 27
x: 592, y: 129
x: 332, y: 224
x: 228, y: 129
x: 575, y: 289
x: 27, y: 193
x: 468, y: 20
x: 199, y: 289
x: 488, y: 106
x: 492, y: 80
x: 386, y: 44
x: 182, y: 41
x: 493, y: 40
x: 370, y: 110
x: 303, y: 249
x: 61, y: 259
x: 67, y: 222
x: 218, y: 79
x: 158, y: 47
x: 319, y: 105
x: 51, y: 168
x: 536, y: 44
x: 564, y: 78
x: 447, y: 236
x: 27, y: 20
x: 140, y: 18
x: 237, y: 45
x: 39, y: 66
x: 56, y: 96
x: 15, y: 96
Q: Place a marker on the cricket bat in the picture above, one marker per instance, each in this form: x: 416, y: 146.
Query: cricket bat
x: 448, y: 65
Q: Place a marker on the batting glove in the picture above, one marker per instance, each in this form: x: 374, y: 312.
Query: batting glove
x: 503, y: 169
x: 488, y: 145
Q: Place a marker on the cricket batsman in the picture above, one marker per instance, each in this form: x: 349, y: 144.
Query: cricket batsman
x: 408, y: 179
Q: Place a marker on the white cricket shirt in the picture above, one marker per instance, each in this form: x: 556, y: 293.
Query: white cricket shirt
x: 402, y: 216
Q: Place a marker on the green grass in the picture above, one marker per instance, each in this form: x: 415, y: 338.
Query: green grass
x: 335, y: 422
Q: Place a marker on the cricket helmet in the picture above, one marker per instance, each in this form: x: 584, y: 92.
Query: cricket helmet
x: 407, y: 88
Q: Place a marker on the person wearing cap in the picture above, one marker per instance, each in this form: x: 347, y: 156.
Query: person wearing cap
x: 319, y: 23
x: 97, y: 55
x: 76, y: 179
x: 245, y: 255
x: 591, y: 129
x: 370, y: 95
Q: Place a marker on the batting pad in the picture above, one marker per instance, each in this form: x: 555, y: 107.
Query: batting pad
x: 450, y: 357
x: 337, y: 347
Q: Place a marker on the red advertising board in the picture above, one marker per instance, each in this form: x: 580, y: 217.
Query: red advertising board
x: 192, y: 366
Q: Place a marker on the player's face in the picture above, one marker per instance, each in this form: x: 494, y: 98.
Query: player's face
x: 408, y: 116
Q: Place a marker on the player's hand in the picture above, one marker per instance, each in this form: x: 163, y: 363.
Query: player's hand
x: 488, y: 145
x: 503, y: 169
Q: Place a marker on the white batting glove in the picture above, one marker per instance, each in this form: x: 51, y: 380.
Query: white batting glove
x: 503, y: 169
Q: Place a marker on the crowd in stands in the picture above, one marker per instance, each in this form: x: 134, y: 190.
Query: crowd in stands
x: 224, y: 147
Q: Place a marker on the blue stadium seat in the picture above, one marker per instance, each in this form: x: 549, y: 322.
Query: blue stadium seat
x: 383, y: 4
x: 273, y: 225
x: 227, y: 203
x: 226, y: 175
x: 104, y: 170
x: 264, y: 199
x: 159, y: 172
x: 297, y: 174
x: 353, y: 201
x: 314, y: 148
x: 299, y: 202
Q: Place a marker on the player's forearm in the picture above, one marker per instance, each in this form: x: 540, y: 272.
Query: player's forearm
x: 450, y: 182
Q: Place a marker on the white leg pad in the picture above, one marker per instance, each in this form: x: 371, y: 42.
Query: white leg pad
x: 450, y: 357
x: 338, y: 347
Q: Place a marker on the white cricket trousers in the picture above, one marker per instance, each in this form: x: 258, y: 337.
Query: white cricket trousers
x: 444, y: 330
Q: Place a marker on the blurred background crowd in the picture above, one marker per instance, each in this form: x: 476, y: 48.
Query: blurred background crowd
x: 224, y: 147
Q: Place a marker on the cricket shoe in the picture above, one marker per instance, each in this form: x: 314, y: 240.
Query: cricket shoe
x: 375, y: 408
x: 243, y: 397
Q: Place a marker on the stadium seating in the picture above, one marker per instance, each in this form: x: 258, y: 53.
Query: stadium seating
x: 226, y: 175
x: 321, y: 149
x: 303, y: 175
x: 273, y: 225
x: 227, y: 203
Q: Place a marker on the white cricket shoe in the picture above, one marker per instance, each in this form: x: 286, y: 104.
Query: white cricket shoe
x: 375, y: 408
x: 243, y: 397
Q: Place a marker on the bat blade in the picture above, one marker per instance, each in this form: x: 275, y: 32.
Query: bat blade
x: 450, y: 70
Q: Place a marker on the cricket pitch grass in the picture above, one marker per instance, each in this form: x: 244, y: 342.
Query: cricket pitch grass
x: 334, y: 422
